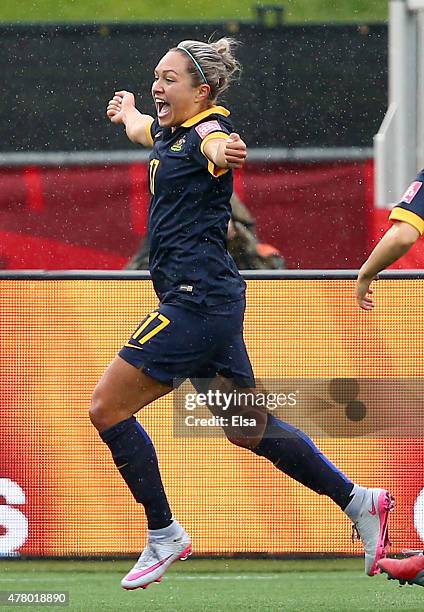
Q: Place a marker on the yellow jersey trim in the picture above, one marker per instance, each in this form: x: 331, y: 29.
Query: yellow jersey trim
x: 214, y: 110
x: 149, y: 133
x: 214, y: 170
x: 400, y: 214
x: 211, y: 136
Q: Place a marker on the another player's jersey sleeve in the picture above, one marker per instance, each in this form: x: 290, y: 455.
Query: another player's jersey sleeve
x: 411, y: 207
x: 212, y: 127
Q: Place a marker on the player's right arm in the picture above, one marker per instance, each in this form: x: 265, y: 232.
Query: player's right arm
x: 121, y: 109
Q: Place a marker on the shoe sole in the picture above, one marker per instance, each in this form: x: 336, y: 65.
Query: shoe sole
x: 386, y: 504
x: 182, y: 557
x: 418, y: 580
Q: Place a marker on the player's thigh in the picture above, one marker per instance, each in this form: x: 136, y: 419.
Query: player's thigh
x: 121, y: 392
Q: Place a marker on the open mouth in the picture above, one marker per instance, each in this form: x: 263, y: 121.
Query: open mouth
x: 162, y: 108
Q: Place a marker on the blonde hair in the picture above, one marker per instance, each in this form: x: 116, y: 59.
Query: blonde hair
x: 213, y: 63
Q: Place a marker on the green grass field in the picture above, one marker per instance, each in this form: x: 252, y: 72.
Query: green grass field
x: 204, y: 585
x: 188, y: 10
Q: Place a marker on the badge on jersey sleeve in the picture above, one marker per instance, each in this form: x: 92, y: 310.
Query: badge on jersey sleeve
x: 203, y: 129
x: 411, y: 192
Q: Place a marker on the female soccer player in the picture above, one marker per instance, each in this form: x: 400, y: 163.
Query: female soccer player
x: 197, y: 330
x: 408, y: 226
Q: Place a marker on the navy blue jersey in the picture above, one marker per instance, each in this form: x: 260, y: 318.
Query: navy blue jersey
x: 189, y: 214
x: 411, y: 207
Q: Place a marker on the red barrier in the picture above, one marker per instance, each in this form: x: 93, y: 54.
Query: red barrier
x: 318, y: 215
x: 74, y: 217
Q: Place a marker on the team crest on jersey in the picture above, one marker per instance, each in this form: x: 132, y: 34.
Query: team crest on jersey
x: 411, y: 192
x: 179, y: 144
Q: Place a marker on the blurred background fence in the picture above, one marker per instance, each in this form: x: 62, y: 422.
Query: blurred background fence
x: 301, y: 86
x: 310, y: 99
x: 74, y: 192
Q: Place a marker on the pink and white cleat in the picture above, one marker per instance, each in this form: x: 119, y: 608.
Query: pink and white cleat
x: 159, y: 554
x: 371, y: 526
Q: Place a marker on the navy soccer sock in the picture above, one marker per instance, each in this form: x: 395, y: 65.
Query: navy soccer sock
x: 294, y: 453
x: 135, y: 457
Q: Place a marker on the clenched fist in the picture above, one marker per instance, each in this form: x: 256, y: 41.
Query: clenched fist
x: 235, y: 151
x: 120, y: 103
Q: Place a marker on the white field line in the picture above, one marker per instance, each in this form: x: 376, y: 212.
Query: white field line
x: 182, y: 577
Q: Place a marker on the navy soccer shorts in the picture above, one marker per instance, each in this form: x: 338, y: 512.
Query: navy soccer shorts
x: 174, y: 343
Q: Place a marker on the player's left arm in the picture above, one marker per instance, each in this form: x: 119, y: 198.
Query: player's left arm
x: 230, y: 152
x: 396, y: 242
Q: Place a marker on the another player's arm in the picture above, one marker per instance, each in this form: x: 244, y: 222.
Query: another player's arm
x: 224, y: 152
x: 396, y: 242
x: 121, y: 109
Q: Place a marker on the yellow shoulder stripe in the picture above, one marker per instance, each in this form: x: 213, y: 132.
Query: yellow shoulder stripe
x: 212, y: 169
x: 401, y: 214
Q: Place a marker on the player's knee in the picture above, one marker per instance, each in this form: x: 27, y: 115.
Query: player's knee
x: 95, y: 413
x: 242, y: 440
x: 99, y: 412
